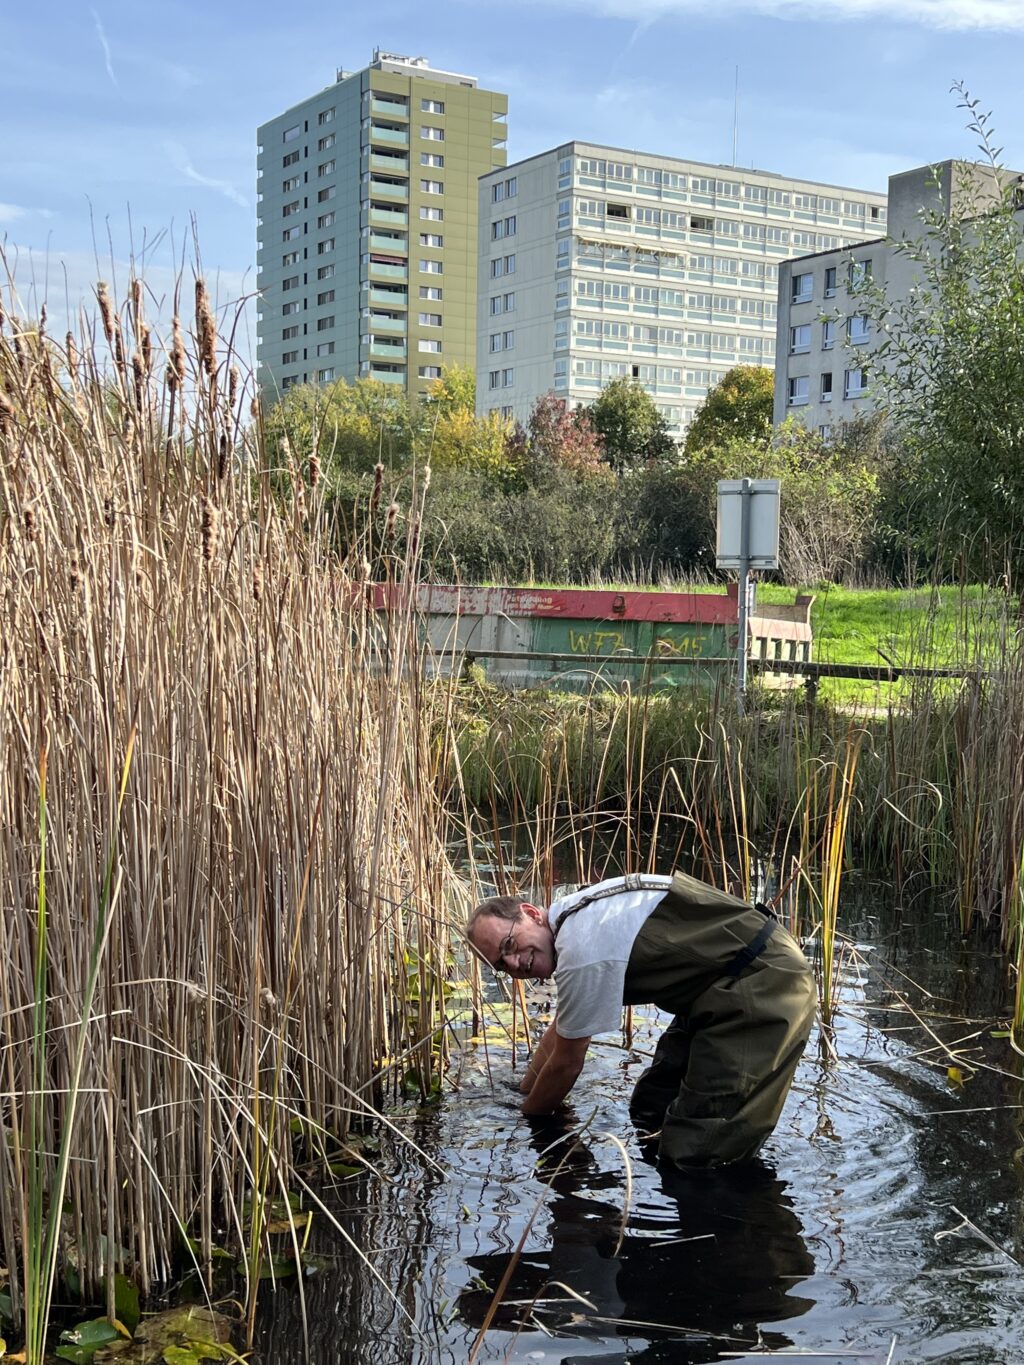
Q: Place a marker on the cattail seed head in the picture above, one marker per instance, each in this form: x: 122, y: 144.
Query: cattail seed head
x: 222, y: 456
x: 391, y: 521
x: 314, y: 469
x: 206, y: 329
x: 106, y: 310
x: 176, y: 365
x: 72, y: 350
x: 6, y: 414
x: 137, y: 297
x: 234, y: 384
x: 29, y: 520
x: 426, y: 477
x: 257, y: 581
x: 109, y: 516
x: 378, y: 484
x: 42, y: 322
x: 139, y: 376
x: 254, y: 409
x: 74, y: 573
x: 414, y: 536
x: 209, y: 529
x: 146, y: 348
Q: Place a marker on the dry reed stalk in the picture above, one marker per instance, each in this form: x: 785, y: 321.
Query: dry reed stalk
x: 258, y: 963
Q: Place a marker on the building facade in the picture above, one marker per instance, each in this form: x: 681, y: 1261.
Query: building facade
x: 367, y: 226
x: 823, y: 337
x: 597, y: 263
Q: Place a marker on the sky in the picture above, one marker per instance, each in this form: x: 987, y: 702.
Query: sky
x: 128, y: 131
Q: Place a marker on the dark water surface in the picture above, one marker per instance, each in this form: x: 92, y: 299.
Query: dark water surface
x: 831, y: 1249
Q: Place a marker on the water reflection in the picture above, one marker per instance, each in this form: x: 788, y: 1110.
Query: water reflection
x: 707, y: 1261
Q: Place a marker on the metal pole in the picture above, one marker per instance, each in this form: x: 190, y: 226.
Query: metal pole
x: 744, y: 603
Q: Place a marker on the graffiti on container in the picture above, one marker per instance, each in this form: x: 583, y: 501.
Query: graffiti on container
x: 690, y: 646
x: 595, y: 641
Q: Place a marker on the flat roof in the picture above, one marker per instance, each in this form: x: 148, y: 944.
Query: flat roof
x: 735, y: 171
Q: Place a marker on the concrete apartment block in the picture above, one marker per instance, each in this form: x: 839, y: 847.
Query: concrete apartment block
x: 367, y: 226
x: 596, y: 262
x: 822, y: 339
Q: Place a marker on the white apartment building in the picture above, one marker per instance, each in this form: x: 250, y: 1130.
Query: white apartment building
x: 597, y: 263
x: 823, y: 337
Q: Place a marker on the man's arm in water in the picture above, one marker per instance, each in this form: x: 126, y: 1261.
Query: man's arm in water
x: 553, y: 1069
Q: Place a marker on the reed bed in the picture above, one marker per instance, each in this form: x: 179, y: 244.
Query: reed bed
x: 223, y: 886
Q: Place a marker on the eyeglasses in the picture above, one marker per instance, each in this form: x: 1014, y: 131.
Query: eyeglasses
x: 507, y: 947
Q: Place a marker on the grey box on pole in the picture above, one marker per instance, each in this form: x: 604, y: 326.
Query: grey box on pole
x: 763, y: 524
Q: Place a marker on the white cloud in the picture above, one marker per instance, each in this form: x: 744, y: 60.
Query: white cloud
x: 183, y: 164
x: 8, y: 212
x: 101, y: 35
x: 996, y: 15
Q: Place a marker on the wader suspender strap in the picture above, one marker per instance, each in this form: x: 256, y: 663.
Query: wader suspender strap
x: 753, y: 950
x: 634, y: 882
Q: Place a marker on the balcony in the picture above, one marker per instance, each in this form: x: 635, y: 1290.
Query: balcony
x: 383, y: 243
x: 388, y: 270
x: 387, y: 376
x: 390, y: 165
x: 380, y: 104
x: 398, y: 137
x: 389, y: 190
x: 390, y: 298
x: 386, y: 217
x: 380, y: 322
x: 387, y: 350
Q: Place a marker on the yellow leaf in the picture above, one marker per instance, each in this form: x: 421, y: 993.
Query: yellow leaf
x: 120, y: 1327
x: 285, y: 1225
x: 955, y: 1076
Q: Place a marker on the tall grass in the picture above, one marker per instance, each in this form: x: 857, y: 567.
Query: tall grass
x: 223, y: 895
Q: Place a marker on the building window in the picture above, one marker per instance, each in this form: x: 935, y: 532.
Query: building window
x: 432, y: 106
x: 799, y: 391
x: 325, y: 143
x: 860, y: 273
x: 432, y: 159
x: 325, y: 348
x: 325, y: 324
x: 289, y: 333
x: 507, y: 378
x: 800, y: 339
x: 290, y: 258
x: 290, y: 159
x: 857, y: 330
x: 328, y: 193
x: 322, y: 248
x: 494, y: 343
x: 854, y: 385
x: 325, y: 116
x: 511, y: 187
x: 434, y: 215
x: 803, y: 288
x: 510, y: 302
x: 432, y: 134
x: 431, y: 239
x: 826, y: 387
x: 325, y: 220
x: 431, y: 187
x: 431, y: 267
x: 509, y: 340
x: 430, y: 371
x: 324, y: 376
x: 291, y: 208
x: 699, y: 223
x: 326, y: 297
x: 830, y: 282
x: 495, y: 305
x: 289, y: 358
x: 430, y: 319
x: 289, y: 381
x: 325, y: 272
x: 494, y: 379
x: 828, y: 334
x: 430, y: 291
x: 292, y: 282
x: 290, y: 134
x: 288, y: 185
x: 289, y: 309
x: 434, y: 347
x: 327, y: 168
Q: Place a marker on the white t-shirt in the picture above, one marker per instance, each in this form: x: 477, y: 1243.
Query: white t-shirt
x: 593, y: 950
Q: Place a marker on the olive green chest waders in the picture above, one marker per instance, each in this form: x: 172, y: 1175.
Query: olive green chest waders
x: 743, y: 998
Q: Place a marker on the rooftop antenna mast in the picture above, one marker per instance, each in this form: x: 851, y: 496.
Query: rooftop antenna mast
x: 735, y: 112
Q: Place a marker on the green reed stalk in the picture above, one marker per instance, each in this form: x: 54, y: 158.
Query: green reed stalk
x: 840, y: 799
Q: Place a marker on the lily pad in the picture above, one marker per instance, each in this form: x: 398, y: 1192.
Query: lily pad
x: 80, y: 1344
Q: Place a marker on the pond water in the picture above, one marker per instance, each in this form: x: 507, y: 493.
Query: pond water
x: 839, y: 1246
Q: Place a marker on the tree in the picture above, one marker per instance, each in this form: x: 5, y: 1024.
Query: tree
x: 738, y: 408
x: 455, y: 391
x: 949, y: 370
x: 350, y: 426
x: 557, y: 439
x: 631, y: 426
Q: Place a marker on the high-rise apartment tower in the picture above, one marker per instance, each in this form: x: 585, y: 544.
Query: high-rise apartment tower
x: 610, y: 263
x: 367, y: 237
